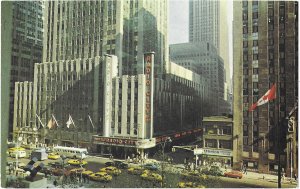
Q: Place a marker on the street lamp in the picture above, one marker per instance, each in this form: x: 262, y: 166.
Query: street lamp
x: 163, y: 145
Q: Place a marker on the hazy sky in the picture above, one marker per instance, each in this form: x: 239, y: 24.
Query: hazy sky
x: 179, y: 24
x: 179, y: 21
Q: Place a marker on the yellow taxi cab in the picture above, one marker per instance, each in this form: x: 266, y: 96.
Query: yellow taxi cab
x: 151, y: 176
x: 53, y: 156
x: 189, y: 185
x: 101, y: 176
x: 87, y: 172
x: 16, y: 149
x: 203, y: 176
x: 111, y: 170
x: 77, y: 162
x: 135, y: 170
x: 194, y: 174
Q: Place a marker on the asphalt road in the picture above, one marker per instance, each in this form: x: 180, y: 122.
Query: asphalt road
x: 126, y: 180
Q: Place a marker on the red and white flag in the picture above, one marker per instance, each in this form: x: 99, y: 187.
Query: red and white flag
x: 270, y: 95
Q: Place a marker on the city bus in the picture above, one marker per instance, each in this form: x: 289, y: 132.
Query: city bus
x: 71, y: 151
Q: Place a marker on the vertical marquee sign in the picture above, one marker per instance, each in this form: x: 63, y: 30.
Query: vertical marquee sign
x: 107, y: 95
x: 149, y: 69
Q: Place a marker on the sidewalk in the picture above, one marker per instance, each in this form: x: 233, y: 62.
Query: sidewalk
x: 268, y: 177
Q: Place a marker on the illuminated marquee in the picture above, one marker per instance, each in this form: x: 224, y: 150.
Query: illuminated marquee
x: 117, y: 141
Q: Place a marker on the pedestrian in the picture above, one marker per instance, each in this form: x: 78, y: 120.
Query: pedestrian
x: 295, y: 176
x: 84, y: 178
x: 55, y: 183
x: 88, y: 179
x: 245, y: 170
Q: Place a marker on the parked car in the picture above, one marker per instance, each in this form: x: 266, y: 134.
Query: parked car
x: 111, y: 170
x: 121, y: 165
x: 151, y: 166
x: 151, y: 176
x: 87, y: 172
x: 101, y: 176
x: 135, y: 170
x: 77, y: 171
x: 55, y: 164
x: 57, y: 172
x: 109, y: 163
x: 234, y: 174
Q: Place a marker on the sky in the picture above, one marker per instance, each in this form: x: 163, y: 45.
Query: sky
x: 178, y: 21
x: 179, y: 24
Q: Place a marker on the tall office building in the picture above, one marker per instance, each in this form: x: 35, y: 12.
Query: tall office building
x: 208, y: 22
x: 27, y: 36
x: 203, y: 59
x: 127, y: 29
x: 265, y: 52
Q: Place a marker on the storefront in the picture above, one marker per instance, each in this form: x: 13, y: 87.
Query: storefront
x: 220, y: 157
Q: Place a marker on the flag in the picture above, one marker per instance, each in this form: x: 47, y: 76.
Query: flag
x: 270, y: 95
x: 55, y: 120
x: 70, y: 121
x: 40, y: 120
x: 51, y: 124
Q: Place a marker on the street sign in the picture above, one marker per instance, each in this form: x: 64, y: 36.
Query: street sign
x: 213, y: 152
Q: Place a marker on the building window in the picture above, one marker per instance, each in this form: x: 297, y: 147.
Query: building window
x: 255, y: 71
x: 254, y: 29
x: 255, y: 43
x: 211, y: 143
x: 245, y: 57
x: 245, y: 29
x: 254, y: 15
x: 255, y: 56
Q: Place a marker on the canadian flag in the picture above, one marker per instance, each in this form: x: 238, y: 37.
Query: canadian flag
x: 270, y: 95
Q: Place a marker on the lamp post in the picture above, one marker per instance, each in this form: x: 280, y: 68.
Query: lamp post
x: 19, y: 139
x: 163, y: 145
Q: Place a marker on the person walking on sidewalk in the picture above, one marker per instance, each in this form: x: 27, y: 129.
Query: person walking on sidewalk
x: 295, y: 177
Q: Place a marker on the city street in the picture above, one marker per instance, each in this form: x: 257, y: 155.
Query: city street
x: 172, y: 177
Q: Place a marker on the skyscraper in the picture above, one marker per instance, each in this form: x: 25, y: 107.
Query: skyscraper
x: 265, y: 52
x: 208, y: 22
x: 85, y: 29
x: 27, y: 36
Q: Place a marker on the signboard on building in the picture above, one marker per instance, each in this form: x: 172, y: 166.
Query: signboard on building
x: 213, y: 152
x: 148, y: 70
x: 114, y: 141
x: 109, y: 71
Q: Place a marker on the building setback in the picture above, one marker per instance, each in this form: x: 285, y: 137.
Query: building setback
x: 203, y: 59
x: 127, y: 29
x: 265, y: 52
x: 27, y: 44
x: 49, y: 102
x: 208, y: 22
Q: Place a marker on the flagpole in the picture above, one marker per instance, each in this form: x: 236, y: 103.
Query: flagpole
x: 277, y: 105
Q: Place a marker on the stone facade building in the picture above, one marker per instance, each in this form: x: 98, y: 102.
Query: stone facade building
x: 265, y: 53
x: 127, y: 29
x: 27, y: 44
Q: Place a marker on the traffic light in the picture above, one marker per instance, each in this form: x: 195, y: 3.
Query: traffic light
x: 291, y: 124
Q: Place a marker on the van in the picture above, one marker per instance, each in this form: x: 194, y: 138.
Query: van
x: 19, y: 154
